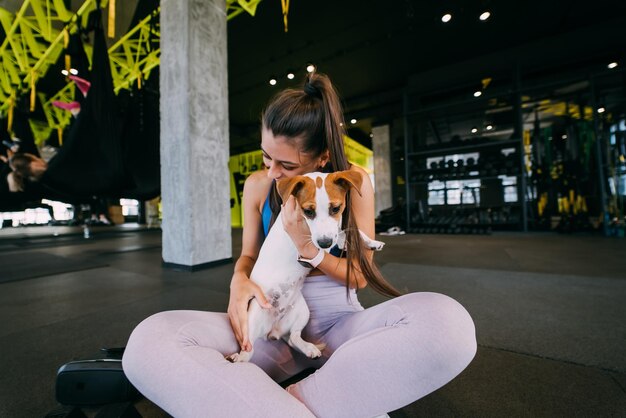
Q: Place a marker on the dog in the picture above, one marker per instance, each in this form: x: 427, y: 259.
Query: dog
x: 322, y: 199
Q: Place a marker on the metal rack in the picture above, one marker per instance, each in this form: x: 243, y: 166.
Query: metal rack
x: 462, y: 218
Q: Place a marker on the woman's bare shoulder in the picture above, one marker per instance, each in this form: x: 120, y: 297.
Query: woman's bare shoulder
x: 257, y: 186
x: 259, y: 178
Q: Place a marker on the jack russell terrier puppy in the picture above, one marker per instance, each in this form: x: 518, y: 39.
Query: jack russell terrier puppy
x: 280, y: 271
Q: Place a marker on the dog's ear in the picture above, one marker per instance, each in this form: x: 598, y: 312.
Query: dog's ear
x: 289, y: 186
x: 347, y: 179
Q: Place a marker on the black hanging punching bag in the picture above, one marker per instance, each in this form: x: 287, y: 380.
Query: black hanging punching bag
x: 90, y: 163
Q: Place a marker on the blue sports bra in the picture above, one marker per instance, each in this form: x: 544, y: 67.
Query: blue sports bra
x: 266, y: 214
x: 266, y: 217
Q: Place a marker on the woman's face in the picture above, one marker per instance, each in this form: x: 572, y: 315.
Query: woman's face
x: 283, y: 159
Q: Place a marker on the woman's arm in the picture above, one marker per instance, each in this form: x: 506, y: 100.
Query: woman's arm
x: 362, y: 208
x: 242, y: 289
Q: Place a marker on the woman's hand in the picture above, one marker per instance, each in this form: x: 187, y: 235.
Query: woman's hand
x: 296, y: 227
x: 242, y: 290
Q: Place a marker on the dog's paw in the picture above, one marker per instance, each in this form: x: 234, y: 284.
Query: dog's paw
x: 370, y: 243
x: 375, y: 245
x: 313, y: 351
x: 243, y: 356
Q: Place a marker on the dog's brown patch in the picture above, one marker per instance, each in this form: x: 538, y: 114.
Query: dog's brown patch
x: 337, y: 185
x: 302, y: 187
x: 292, y: 186
x: 319, y: 182
x: 306, y: 195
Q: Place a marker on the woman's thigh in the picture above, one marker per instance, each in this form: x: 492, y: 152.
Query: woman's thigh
x: 176, y: 359
x: 212, y: 330
x: 389, y: 355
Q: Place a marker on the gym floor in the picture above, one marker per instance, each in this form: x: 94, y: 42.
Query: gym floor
x: 549, y: 312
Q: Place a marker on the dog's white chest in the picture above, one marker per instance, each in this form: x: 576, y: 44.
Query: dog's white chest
x: 277, y: 271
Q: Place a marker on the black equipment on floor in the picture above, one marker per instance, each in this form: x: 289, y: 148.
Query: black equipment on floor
x: 118, y: 410
x: 66, y: 412
x: 390, y: 217
x: 93, y: 382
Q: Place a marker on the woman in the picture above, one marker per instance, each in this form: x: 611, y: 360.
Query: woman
x: 375, y: 361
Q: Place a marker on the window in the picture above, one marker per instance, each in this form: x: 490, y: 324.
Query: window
x: 130, y: 207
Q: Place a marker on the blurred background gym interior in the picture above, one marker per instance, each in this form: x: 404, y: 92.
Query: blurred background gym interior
x: 494, y: 133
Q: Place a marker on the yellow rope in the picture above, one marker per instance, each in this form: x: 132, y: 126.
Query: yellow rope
x: 66, y: 43
x: 33, y: 91
x: 10, y: 114
x: 111, y: 24
x: 285, y: 4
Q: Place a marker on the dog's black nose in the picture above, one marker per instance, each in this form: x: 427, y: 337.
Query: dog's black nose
x: 324, y: 242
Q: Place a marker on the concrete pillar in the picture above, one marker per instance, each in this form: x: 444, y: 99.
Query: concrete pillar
x: 194, y: 134
x: 382, y: 167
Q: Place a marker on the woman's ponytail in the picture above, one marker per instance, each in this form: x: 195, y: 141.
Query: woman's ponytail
x: 319, y: 85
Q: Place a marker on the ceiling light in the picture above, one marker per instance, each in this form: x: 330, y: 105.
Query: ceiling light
x: 564, y: 136
x: 73, y: 71
x: 446, y: 18
x: 484, y: 16
x: 478, y: 93
x: 291, y: 75
x: 65, y: 72
x: 353, y: 121
x: 474, y: 130
x: 612, y: 65
x: 310, y: 68
x: 601, y: 110
x: 273, y: 81
x: 489, y: 127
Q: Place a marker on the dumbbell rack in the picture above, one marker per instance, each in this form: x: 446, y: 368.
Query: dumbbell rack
x: 464, y: 218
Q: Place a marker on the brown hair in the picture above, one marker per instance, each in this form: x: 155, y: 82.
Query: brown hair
x: 312, y: 115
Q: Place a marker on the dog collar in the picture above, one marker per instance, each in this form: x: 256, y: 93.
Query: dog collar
x: 313, y: 262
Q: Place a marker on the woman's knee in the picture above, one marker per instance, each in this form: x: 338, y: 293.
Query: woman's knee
x: 448, y: 322
x: 149, y: 329
x: 146, y: 338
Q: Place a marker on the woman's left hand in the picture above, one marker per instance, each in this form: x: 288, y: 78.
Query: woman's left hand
x: 296, y: 227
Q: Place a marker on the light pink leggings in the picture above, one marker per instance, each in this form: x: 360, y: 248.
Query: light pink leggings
x: 377, y: 360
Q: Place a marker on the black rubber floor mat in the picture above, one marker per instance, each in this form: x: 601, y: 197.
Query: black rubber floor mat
x: 15, y: 266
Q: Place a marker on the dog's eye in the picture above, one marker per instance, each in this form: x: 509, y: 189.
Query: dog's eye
x: 309, y: 213
x: 335, y: 209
